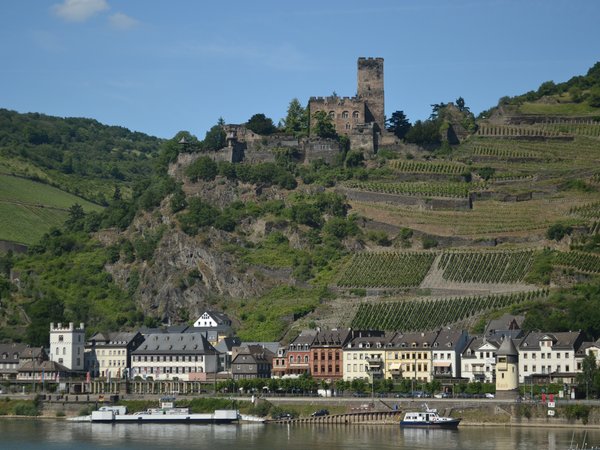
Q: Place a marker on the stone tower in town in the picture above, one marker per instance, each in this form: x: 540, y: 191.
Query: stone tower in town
x: 370, y: 89
x: 507, y: 370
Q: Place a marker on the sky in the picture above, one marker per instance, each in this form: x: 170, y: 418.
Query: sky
x: 163, y: 66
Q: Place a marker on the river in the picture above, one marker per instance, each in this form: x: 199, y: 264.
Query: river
x: 22, y: 434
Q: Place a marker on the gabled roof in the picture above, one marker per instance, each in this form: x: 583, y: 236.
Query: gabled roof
x: 414, y: 340
x: 448, y: 339
x: 11, y: 353
x: 226, y: 344
x: 253, y: 354
x: 45, y: 366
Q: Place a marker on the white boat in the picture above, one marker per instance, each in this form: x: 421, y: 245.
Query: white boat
x: 428, y: 419
x: 167, y: 413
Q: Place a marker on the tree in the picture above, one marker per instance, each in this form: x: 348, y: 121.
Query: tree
x: 204, y: 168
x: 589, y: 377
x: 296, y: 121
x: 398, y: 124
x: 460, y: 104
x: 324, y: 125
x: 594, y: 97
x: 215, y: 138
x: 261, y: 124
x: 75, y: 220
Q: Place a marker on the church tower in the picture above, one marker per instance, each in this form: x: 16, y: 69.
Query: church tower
x: 370, y: 89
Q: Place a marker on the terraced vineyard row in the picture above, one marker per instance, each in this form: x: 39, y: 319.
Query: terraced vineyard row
x: 587, y: 211
x: 588, y: 129
x: 444, y: 168
x: 386, y: 270
x: 419, y: 188
x: 502, y: 152
x: 421, y: 315
x: 486, y: 267
x: 580, y: 261
x: 513, y: 130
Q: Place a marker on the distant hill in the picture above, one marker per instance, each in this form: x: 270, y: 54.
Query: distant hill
x: 77, y: 155
x: 49, y: 163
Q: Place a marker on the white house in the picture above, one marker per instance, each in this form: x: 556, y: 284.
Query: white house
x: 479, y: 360
x: 67, y: 344
x: 446, y: 352
x: 549, y: 354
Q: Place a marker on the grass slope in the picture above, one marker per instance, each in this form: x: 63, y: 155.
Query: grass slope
x: 28, y: 209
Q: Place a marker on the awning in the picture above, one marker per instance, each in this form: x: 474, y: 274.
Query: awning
x: 442, y: 364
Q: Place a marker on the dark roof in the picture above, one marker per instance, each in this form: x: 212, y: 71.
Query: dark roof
x: 175, y: 344
x: 253, y: 353
x: 331, y: 337
x: 226, y: 344
x: 507, y: 348
x: 115, y: 339
x: 567, y: 340
x: 420, y: 340
x: 45, y: 366
x: 306, y: 337
x: 448, y: 339
x: 9, y: 351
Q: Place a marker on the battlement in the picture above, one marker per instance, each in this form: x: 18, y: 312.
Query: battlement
x: 71, y: 327
x: 333, y: 99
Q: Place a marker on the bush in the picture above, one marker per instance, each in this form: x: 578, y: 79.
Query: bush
x: 429, y: 242
x: 25, y: 409
x: 558, y: 231
x: 203, y: 168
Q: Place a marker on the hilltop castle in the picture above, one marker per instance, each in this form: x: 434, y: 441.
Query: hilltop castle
x: 362, y: 114
x: 361, y: 118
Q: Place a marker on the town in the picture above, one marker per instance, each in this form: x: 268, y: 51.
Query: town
x: 195, y: 358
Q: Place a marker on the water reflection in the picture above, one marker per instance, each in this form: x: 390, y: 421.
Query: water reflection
x: 42, y: 434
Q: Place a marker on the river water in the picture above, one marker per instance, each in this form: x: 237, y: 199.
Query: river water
x: 48, y: 434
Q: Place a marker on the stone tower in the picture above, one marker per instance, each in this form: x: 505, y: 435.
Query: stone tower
x: 507, y: 370
x: 67, y: 345
x: 370, y: 89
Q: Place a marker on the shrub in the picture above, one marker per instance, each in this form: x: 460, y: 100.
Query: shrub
x: 429, y: 242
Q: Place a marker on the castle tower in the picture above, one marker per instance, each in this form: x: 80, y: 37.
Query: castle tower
x: 370, y: 89
x: 507, y: 370
x: 67, y: 345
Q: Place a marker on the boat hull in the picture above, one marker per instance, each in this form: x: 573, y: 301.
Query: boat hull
x: 446, y: 424
x: 169, y: 420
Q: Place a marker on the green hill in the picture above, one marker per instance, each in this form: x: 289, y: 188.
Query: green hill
x: 29, y: 208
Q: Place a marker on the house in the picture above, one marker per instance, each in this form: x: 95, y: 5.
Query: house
x: 280, y: 365
x: 298, y: 354
x: 216, y: 326
x: 45, y: 371
x: 551, y: 356
x: 409, y: 355
x: 10, y: 358
x: 166, y: 356
x: 364, y: 355
x: 252, y: 361
x: 108, y: 355
x: 327, y: 354
x: 479, y: 360
x: 225, y: 349
x: 446, y: 351
x: 507, y: 325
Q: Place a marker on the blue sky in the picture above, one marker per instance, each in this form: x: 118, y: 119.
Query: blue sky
x: 164, y: 66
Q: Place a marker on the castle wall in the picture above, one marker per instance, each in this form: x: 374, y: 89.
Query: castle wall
x: 346, y: 113
x: 325, y: 149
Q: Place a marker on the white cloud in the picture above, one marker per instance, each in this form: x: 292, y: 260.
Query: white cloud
x: 79, y: 10
x: 122, y: 21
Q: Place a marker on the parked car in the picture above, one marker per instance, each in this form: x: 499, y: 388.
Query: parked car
x: 282, y: 416
x: 320, y: 412
x: 489, y: 395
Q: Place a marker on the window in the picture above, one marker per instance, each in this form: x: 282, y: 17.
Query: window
x: 355, y: 114
x: 345, y: 114
x: 348, y: 126
x: 525, y: 368
x: 60, y: 338
x: 332, y: 114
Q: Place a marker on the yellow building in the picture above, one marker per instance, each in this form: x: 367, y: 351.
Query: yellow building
x: 364, y: 355
x: 409, y: 356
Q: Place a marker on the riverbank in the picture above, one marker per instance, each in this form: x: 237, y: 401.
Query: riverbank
x: 474, y: 413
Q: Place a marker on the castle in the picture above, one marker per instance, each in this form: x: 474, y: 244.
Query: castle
x: 361, y: 118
